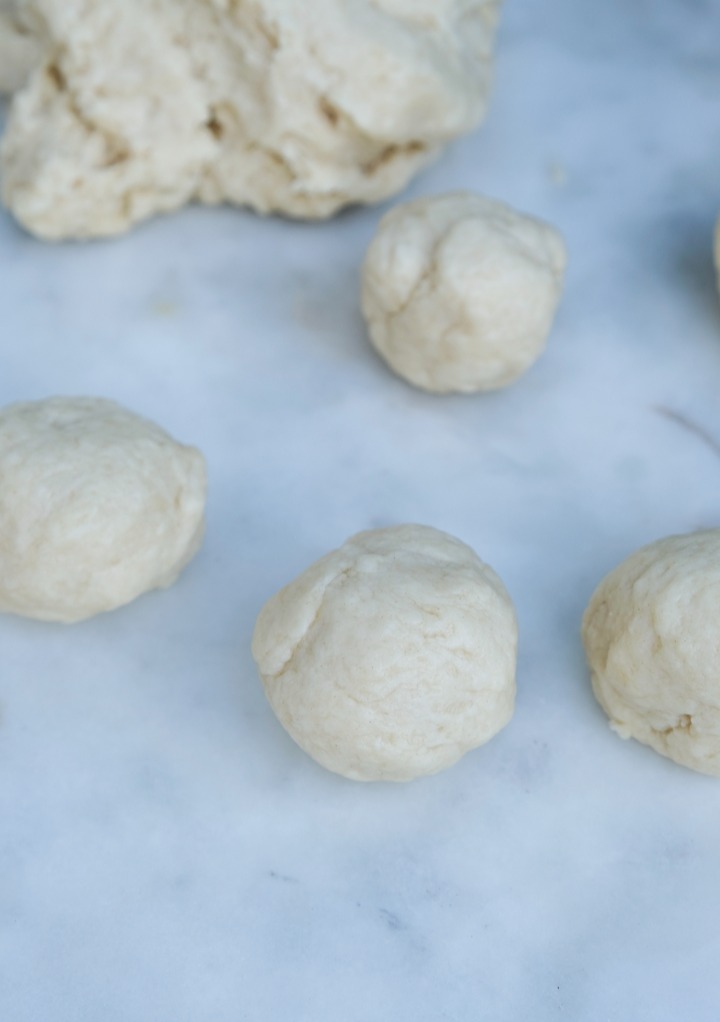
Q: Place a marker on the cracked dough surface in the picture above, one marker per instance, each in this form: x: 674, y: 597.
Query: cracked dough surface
x: 391, y: 657
x: 97, y: 505
x: 144, y: 105
x: 652, y: 639
x: 459, y: 291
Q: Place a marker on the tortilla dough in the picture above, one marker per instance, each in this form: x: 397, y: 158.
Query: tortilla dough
x: 391, y: 657
x: 652, y: 638
x: 141, y: 106
x: 97, y: 506
x: 459, y: 291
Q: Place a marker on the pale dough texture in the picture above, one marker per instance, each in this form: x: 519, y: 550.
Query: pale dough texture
x: 300, y: 108
x: 97, y: 506
x: 391, y: 657
x: 459, y: 291
x: 652, y: 639
x: 20, y: 47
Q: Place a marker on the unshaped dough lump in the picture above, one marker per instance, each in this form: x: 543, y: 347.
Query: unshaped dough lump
x: 300, y: 108
x: 97, y: 505
x: 652, y: 639
x: 391, y: 657
x: 459, y: 291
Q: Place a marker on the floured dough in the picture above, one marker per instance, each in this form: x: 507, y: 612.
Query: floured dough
x: 459, y: 291
x: 391, y: 657
x: 652, y: 638
x: 20, y: 48
x: 143, y: 105
x: 97, y: 506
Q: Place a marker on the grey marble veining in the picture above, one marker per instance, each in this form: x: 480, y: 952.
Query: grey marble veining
x: 166, y: 853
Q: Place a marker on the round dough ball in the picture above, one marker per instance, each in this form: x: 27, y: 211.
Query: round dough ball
x: 652, y: 639
x: 391, y: 657
x: 459, y: 291
x: 97, y: 506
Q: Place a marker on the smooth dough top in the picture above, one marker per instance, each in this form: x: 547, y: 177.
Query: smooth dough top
x: 97, y: 505
x: 392, y: 656
x: 460, y: 290
x: 143, y: 105
x: 652, y: 638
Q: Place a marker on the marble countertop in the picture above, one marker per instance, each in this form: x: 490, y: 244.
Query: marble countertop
x: 166, y: 852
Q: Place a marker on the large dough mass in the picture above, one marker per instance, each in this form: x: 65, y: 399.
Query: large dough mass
x: 143, y: 105
x: 391, y: 657
x: 652, y: 638
x: 97, y: 506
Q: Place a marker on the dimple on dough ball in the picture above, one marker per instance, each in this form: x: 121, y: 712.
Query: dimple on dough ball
x: 97, y: 506
x: 652, y: 639
x: 459, y: 291
x: 391, y: 657
x: 140, y: 106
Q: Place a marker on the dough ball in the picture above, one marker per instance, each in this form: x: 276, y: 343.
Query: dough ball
x: 459, y: 291
x: 97, y: 506
x: 391, y: 657
x: 144, y: 105
x: 652, y: 638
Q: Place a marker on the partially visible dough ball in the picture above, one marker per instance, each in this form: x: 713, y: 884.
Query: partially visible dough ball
x: 391, y: 657
x: 20, y: 47
x: 301, y: 108
x: 97, y: 506
x: 459, y: 291
x: 652, y: 639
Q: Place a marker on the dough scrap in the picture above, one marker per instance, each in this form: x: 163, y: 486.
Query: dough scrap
x: 97, y: 506
x: 144, y: 105
x: 459, y: 291
x: 652, y: 638
x: 391, y: 657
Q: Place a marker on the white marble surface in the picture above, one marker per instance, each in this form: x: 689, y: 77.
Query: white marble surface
x: 166, y: 853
